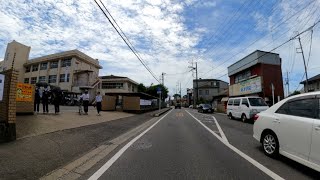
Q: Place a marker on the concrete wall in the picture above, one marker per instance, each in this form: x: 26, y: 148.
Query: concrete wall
x: 131, y: 103
x: 18, y: 53
x: 8, y: 107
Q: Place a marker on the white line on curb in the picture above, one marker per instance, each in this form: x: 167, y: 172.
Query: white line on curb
x: 220, y: 130
x: 109, y: 163
x: 243, y: 155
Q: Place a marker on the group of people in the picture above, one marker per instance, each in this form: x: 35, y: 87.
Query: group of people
x: 43, y: 95
x: 84, y: 98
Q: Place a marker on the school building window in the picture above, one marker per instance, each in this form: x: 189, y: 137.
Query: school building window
x: 53, y: 79
x: 43, y: 66
x: 54, y: 64
x: 63, y: 77
x: 26, y: 80
x: 33, y: 80
x: 66, y: 62
x: 35, y: 67
x: 42, y: 79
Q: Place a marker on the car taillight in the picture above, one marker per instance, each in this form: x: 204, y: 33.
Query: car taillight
x: 255, y: 117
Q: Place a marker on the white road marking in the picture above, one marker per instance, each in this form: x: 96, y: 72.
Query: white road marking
x: 221, y: 114
x: 220, y: 130
x: 109, y: 163
x: 243, y: 155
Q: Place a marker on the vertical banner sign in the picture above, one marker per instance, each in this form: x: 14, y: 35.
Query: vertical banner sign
x: 24, y: 92
x: 1, y: 86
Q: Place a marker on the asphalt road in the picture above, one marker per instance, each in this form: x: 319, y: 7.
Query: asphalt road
x: 239, y: 134
x: 178, y: 147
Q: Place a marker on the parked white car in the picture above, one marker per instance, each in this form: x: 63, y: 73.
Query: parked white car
x: 292, y: 128
x: 245, y: 107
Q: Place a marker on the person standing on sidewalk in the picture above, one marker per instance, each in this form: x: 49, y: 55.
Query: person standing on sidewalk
x: 98, y: 102
x: 56, y: 101
x: 85, y: 101
x: 45, y: 100
x: 36, y: 99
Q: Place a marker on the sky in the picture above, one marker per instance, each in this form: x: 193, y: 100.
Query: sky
x: 170, y: 36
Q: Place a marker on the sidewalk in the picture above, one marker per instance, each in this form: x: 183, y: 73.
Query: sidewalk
x: 33, y: 157
x: 33, y: 125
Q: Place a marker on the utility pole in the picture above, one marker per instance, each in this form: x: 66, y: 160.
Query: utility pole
x: 288, y: 83
x: 197, y: 82
x: 195, y: 100
x: 304, y: 62
x: 163, y: 78
x: 180, y: 91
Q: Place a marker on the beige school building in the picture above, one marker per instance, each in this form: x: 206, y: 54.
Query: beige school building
x: 72, y: 70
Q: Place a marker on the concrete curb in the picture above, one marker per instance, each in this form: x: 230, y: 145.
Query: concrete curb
x: 162, y: 112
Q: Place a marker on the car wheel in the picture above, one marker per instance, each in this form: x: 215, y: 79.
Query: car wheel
x: 230, y: 116
x: 244, y: 118
x: 270, y: 144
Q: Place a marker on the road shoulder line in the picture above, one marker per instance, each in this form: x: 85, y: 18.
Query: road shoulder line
x: 240, y: 153
x: 113, y: 159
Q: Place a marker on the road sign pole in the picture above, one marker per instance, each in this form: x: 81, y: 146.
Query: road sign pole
x: 159, y: 101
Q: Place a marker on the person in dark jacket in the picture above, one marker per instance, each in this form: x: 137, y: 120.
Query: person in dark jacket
x: 36, y: 99
x: 56, y: 101
x: 45, y: 99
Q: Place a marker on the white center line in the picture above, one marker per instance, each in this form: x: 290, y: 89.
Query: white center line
x: 109, y: 163
x: 220, y: 130
x: 243, y: 155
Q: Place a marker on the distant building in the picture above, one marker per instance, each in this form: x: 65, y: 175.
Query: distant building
x: 208, y: 88
x: 313, y: 84
x: 255, y: 75
x: 117, y: 84
x: 72, y: 70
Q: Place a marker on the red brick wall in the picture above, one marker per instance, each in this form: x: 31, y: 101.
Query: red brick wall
x: 8, y: 106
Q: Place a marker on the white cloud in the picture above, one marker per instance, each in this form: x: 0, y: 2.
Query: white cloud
x: 157, y: 28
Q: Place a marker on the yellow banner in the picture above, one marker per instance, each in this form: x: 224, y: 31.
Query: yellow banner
x: 24, y: 92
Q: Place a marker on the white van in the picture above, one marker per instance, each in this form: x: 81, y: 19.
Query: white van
x: 245, y: 107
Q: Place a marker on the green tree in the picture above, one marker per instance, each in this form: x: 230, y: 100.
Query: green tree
x: 152, y: 90
x: 142, y: 88
x: 176, y: 96
x: 295, y: 93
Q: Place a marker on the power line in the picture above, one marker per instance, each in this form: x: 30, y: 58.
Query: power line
x: 222, y: 27
x: 292, y: 38
x: 120, y: 29
x: 276, y: 26
x: 131, y: 48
